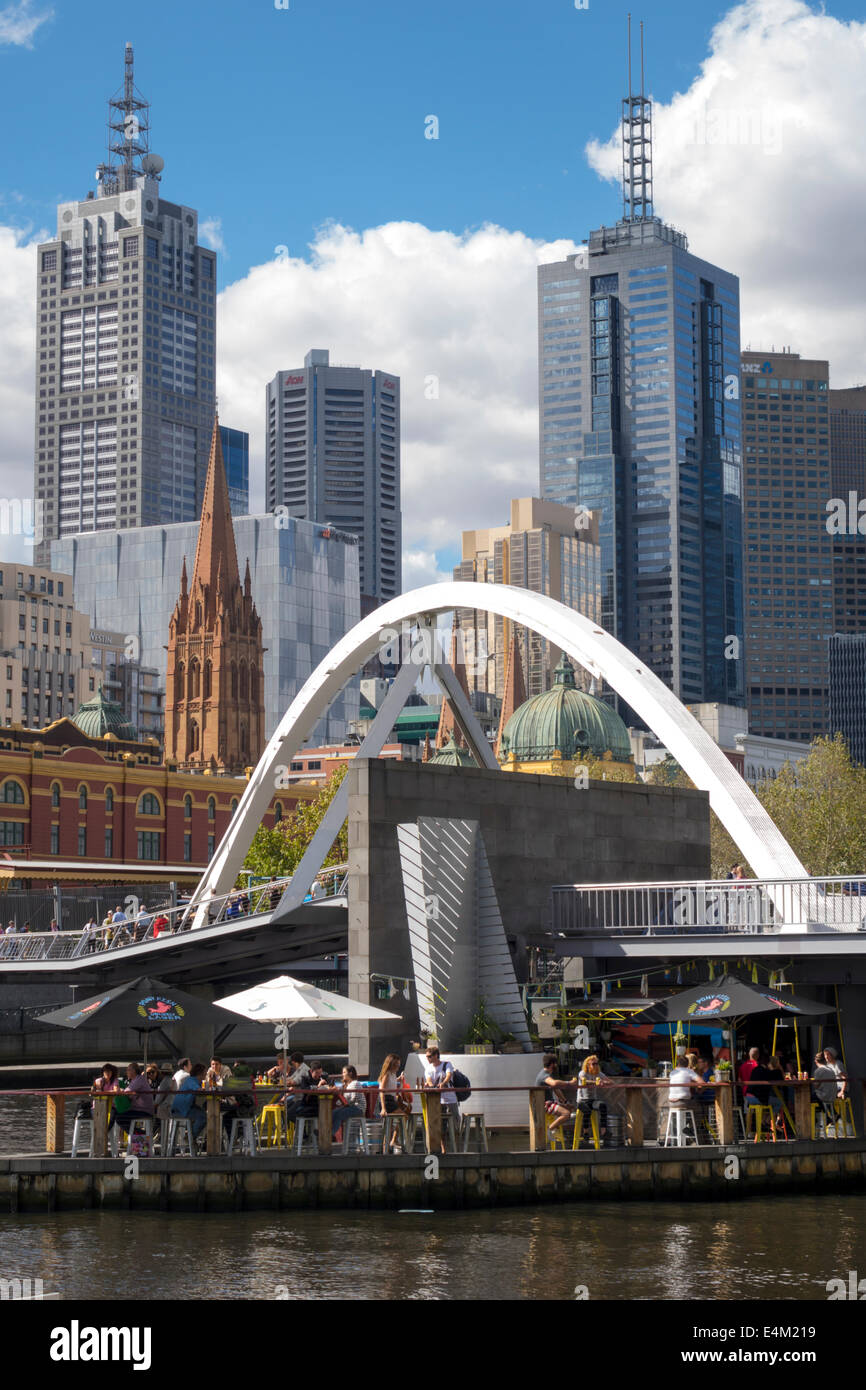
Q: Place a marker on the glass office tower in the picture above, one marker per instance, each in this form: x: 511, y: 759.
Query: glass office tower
x: 236, y: 456
x: 639, y: 412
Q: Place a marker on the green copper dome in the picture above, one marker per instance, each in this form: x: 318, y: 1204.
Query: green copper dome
x: 101, y: 716
x: 564, y: 720
x: 452, y: 756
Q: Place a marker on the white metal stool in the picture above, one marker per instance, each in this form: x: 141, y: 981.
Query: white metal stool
x: 395, y: 1125
x: 77, y: 1141
x: 356, y: 1137
x: 306, y: 1129
x: 141, y: 1127
x: 248, y: 1140
x: 180, y: 1131
x: 677, y: 1128
x: 474, y: 1125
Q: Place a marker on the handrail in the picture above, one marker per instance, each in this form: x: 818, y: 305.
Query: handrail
x: 226, y: 910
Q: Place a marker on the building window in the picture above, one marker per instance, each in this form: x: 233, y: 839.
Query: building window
x: 187, y: 848
x: 148, y: 844
x: 11, y: 832
x: 187, y: 807
x: 234, y: 804
x: 211, y: 808
x: 211, y: 845
x: 82, y: 798
x: 109, y: 799
x: 49, y: 260
x: 55, y: 839
x: 55, y: 795
x: 109, y: 843
x: 130, y: 247
x: 149, y: 805
x: 278, y: 812
x: 82, y: 839
x: 12, y: 792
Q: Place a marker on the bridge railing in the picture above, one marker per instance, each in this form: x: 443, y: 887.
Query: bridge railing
x: 128, y: 933
x: 729, y: 907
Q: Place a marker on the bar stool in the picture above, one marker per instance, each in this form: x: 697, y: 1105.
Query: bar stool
x: 248, y: 1141
x: 272, y: 1127
x: 593, y: 1127
x: 555, y: 1137
x: 845, y: 1118
x: 77, y: 1129
x: 180, y: 1131
x: 141, y: 1128
x: 306, y: 1130
x: 395, y: 1125
x: 356, y: 1136
x: 474, y: 1125
x: 758, y: 1112
x: 677, y: 1128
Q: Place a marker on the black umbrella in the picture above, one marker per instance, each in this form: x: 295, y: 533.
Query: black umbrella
x: 725, y: 998
x: 144, y: 1004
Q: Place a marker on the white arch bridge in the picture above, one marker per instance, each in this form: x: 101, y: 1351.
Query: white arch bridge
x: 756, y: 835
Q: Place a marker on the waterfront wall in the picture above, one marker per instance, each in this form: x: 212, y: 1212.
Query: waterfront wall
x: 282, y: 1183
x: 537, y: 831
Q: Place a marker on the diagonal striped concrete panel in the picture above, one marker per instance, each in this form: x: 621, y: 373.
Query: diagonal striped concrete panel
x: 456, y: 936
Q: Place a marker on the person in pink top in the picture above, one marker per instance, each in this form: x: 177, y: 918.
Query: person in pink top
x: 140, y: 1092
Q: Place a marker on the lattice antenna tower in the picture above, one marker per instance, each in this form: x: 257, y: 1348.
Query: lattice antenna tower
x: 128, y: 136
x: 637, y: 147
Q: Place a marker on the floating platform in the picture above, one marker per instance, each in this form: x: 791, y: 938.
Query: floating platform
x: 280, y: 1181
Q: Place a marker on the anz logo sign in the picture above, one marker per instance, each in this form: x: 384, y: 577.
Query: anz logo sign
x: 758, y: 368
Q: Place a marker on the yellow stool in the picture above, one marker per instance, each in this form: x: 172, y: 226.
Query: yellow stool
x: 555, y: 1138
x: 758, y: 1111
x: 844, y: 1118
x: 578, y: 1129
x: 814, y: 1107
x: 272, y: 1127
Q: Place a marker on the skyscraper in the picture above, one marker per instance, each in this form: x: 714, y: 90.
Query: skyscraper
x: 126, y: 346
x: 236, y: 457
x: 333, y: 456
x: 847, y: 691
x: 788, y: 578
x: 547, y: 548
x: 640, y: 421
x: 847, y: 479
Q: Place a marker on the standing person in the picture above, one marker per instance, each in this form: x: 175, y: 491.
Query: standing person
x: 54, y: 925
x: 106, y: 1084
x: 437, y: 1075
x: 391, y: 1099
x: 831, y: 1059
x: 142, y: 922
x: 746, y: 1068
x: 88, y: 935
x: 26, y: 927
x: 824, y: 1088
x: 588, y: 1081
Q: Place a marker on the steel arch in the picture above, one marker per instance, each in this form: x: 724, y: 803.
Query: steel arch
x: 739, y: 810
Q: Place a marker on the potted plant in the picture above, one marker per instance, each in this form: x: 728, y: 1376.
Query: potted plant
x: 509, y: 1044
x: 482, y: 1032
x: 723, y: 1071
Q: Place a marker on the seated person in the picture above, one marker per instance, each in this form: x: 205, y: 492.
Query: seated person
x: 303, y: 1104
x: 239, y: 1102
x: 762, y: 1094
x: 350, y: 1099
x: 140, y: 1094
x: 184, y: 1105
x: 589, y: 1079
x: 556, y: 1103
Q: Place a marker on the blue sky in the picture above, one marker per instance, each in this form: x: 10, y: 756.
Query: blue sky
x: 317, y: 112
x: 306, y: 125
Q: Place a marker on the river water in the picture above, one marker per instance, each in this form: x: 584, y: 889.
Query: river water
x: 764, y: 1248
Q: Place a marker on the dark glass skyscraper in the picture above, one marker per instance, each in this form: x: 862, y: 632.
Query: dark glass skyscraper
x: 236, y: 456
x: 640, y: 420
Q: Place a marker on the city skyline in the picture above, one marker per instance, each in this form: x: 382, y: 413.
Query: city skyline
x: 474, y: 418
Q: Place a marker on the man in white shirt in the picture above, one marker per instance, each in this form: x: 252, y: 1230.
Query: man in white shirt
x: 437, y: 1074
x: 683, y: 1080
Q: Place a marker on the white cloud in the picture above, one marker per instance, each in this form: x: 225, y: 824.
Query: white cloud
x: 210, y: 229
x: 762, y: 164
x: 18, y: 23
x: 453, y: 316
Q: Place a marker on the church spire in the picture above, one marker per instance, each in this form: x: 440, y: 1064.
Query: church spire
x: 514, y: 694
x: 216, y: 536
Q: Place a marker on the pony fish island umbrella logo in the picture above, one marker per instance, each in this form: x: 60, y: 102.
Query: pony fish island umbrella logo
x: 88, y: 1009
x: 710, y: 1004
x: 782, y: 1003
x: 157, y: 1009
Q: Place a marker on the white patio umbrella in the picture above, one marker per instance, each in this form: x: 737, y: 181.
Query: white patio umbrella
x: 286, y: 1000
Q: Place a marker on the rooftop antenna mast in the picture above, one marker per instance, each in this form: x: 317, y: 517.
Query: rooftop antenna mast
x: 637, y: 158
x: 128, y: 131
